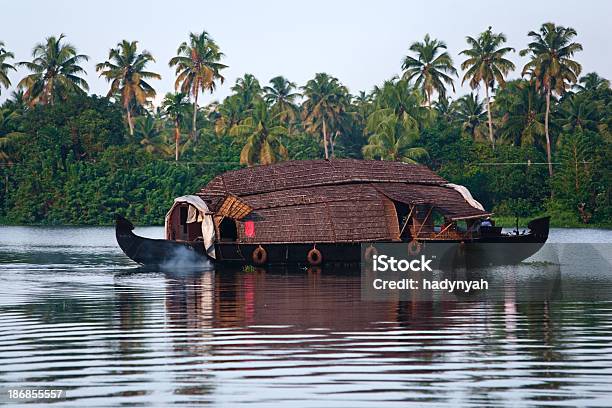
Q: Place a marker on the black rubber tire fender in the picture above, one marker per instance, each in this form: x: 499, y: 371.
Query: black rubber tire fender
x: 259, y: 256
x: 314, y: 257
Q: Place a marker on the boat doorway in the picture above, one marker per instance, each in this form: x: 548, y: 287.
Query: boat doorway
x: 181, y: 229
x: 227, y: 230
x: 404, y: 214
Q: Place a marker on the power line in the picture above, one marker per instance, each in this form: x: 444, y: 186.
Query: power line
x: 165, y: 161
x: 526, y: 163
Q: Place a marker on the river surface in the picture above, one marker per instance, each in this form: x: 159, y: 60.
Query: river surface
x: 77, y: 315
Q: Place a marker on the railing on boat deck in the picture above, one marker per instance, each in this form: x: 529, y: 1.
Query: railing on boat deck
x: 448, y: 233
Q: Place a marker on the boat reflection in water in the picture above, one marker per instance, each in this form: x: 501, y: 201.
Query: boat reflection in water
x: 275, y: 337
x: 328, y: 304
x: 295, y: 336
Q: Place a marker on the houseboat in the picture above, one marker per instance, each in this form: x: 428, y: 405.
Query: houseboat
x: 322, y: 211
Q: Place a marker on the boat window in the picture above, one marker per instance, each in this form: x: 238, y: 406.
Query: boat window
x: 437, y: 220
x: 228, y: 230
x: 462, y: 225
x: 428, y: 221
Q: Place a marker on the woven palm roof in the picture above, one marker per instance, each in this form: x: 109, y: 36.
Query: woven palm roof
x: 341, y: 200
x: 336, y: 213
x: 450, y: 202
x: 310, y: 173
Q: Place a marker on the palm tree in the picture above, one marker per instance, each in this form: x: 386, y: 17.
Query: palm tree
x: 282, y: 99
x: 148, y: 131
x: 10, y: 138
x: 392, y: 138
x: 125, y: 70
x: 470, y: 113
x: 55, y: 72
x: 521, y: 110
x: 431, y: 66
x: 228, y: 114
x: 248, y: 84
x: 263, y: 137
x: 362, y: 102
x: 592, y: 82
x: 403, y: 99
x: 360, y: 109
x: 5, y: 67
x: 197, y: 69
x: 444, y: 109
x: 551, y: 66
x: 17, y: 100
x: 486, y: 63
x: 146, y: 127
x: 248, y: 90
x: 575, y: 173
x: 579, y: 113
x: 175, y: 106
x: 326, y: 100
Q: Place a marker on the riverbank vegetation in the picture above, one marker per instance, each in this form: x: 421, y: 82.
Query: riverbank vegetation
x: 535, y: 144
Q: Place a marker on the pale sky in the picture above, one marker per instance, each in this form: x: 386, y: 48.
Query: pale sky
x: 360, y: 42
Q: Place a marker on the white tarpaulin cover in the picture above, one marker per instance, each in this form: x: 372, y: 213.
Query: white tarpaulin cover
x: 198, y: 211
x: 466, y: 195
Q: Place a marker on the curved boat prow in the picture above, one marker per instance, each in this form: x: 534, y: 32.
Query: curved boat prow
x: 149, y: 251
x: 122, y: 223
x: 540, y: 227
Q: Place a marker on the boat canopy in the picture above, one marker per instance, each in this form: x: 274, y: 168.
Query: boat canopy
x: 198, y: 212
x: 467, y: 196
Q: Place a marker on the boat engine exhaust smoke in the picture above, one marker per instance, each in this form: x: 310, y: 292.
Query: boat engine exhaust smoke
x: 185, y: 258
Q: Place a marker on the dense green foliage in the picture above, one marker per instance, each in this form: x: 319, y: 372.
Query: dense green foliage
x: 71, y: 158
x: 74, y: 163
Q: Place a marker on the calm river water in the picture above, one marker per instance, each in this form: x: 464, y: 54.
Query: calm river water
x: 76, y: 314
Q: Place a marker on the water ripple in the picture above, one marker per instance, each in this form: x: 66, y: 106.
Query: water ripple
x: 79, y: 316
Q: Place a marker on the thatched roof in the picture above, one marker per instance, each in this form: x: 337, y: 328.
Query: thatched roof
x: 447, y: 200
x: 340, y: 200
x: 310, y: 173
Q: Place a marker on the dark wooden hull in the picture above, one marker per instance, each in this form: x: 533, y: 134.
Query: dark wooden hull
x: 506, y: 250
x: 494, y: 250
x: 147, y: 251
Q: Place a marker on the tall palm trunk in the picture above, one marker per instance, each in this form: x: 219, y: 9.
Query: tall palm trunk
x: 48, y: 93
x: 489, y: 115
x: 325, y: 140
x: 577, y: 184
x: 177, y: 138
x: 129, y: 120
x: 548, y: 153
x: 195, y: 115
